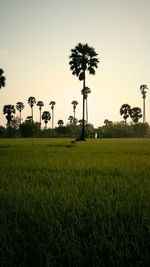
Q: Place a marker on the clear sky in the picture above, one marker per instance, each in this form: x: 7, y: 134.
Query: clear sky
x: 36, y: 39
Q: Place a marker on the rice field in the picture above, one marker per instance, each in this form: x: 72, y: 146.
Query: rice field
x: 74, y: 204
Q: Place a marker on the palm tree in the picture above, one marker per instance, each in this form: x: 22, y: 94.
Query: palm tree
x: 125, y: 111
x: 71, y: 119
x: 2, y: 78
x: 31, y: 102
x: 60, y: 123
x: 52, y: 104
x: 74, y: 103
x: 83, y: 58
x: 143, y: 89
x: 86, y: 91
x: 46, y: 116
x: 108, y: 122
x: 20, y: 107
x: 40, y: 104
x: 135, y: 114
x: 9, y: 110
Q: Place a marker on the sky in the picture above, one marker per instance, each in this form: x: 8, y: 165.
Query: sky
x: 36, y: 40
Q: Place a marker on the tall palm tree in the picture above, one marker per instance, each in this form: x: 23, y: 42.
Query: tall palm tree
x: 143, y: 89
x: 31, y: 102
x: 40, y: 104
x: 2, y: 79
x: 46, y: 116
x: 52, y: 104
x: 20, y: 107
x: 135, y: 114
x: 9, y: 110
x: 125, y: 111
x: 86, y: 91
x: 83, y: 58
x: 74, y: 103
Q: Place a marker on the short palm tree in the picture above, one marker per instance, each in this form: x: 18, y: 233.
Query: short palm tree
x: 9, y: 110
x: 52, y: 104
x: 83, y: 58
x: 71, y: 119
x: 46, y: 116
x: 143, y: 89
x: 60, y: 123
x: 20, y: 107
x: 2, y: 79
x: 31, y: 102
x: 135, y: 114
x: 40, y: 104
x: 74, y: 103
x: 125, y: 111
x: 86, y: 91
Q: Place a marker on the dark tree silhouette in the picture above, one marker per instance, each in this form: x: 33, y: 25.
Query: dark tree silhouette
x: 108, y: 122
x: 2, y: 79
x: 143, y: 89
x: 60, y: 123
x: 135, y: 114
x: 52, y: 104
x: 20, y: 107
x: 74, y: 103
x: 40, y: 104
x: 125, y: 111
x: 83, y: 58
x: 31, y: 102
x: 86, y: 91
x: 9, y: 110
x: 46, y: 116
x: 71, y: 119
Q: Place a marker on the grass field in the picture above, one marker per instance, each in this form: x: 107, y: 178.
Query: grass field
x: 74, y: 204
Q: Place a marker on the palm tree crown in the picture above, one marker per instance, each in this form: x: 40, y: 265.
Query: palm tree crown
x: 83, y: 58
x: 2, y: 78
x: 135, y: 114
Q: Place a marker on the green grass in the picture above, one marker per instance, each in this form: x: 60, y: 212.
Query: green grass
x: 82, y: 204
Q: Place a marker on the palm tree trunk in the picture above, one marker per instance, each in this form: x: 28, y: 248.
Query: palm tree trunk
x: 52, y: 118
x: 86, y: 111
x: 40, y: 118
x: 20, y: 116
x: 143, y: 109
x: 83, y: 118
x: 32, y: 113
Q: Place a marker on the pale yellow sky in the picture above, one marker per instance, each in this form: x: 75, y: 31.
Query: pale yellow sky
x: 36, y: 39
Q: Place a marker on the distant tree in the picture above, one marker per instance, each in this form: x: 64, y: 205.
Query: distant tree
x: 20, y: 107
x: 2, y: 79
x: 71, y: 119
x: 60, y: 123
x: 74, y: 103
x: 83, y: 58
x: 28, y: 128
x: 9, y: 110
x: 135, y: 114
x: 31, y: 102
x: 143, y: 89
x: 15, y: 123
x: 52, y: 104
x: 107, y: 122
x: 40, y: 104
x: 86, y: 91
x: 46, y: 116
x: 125, y: 111
x: 29, y: 119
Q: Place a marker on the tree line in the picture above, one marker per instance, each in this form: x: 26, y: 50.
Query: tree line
x: 82, y: 60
